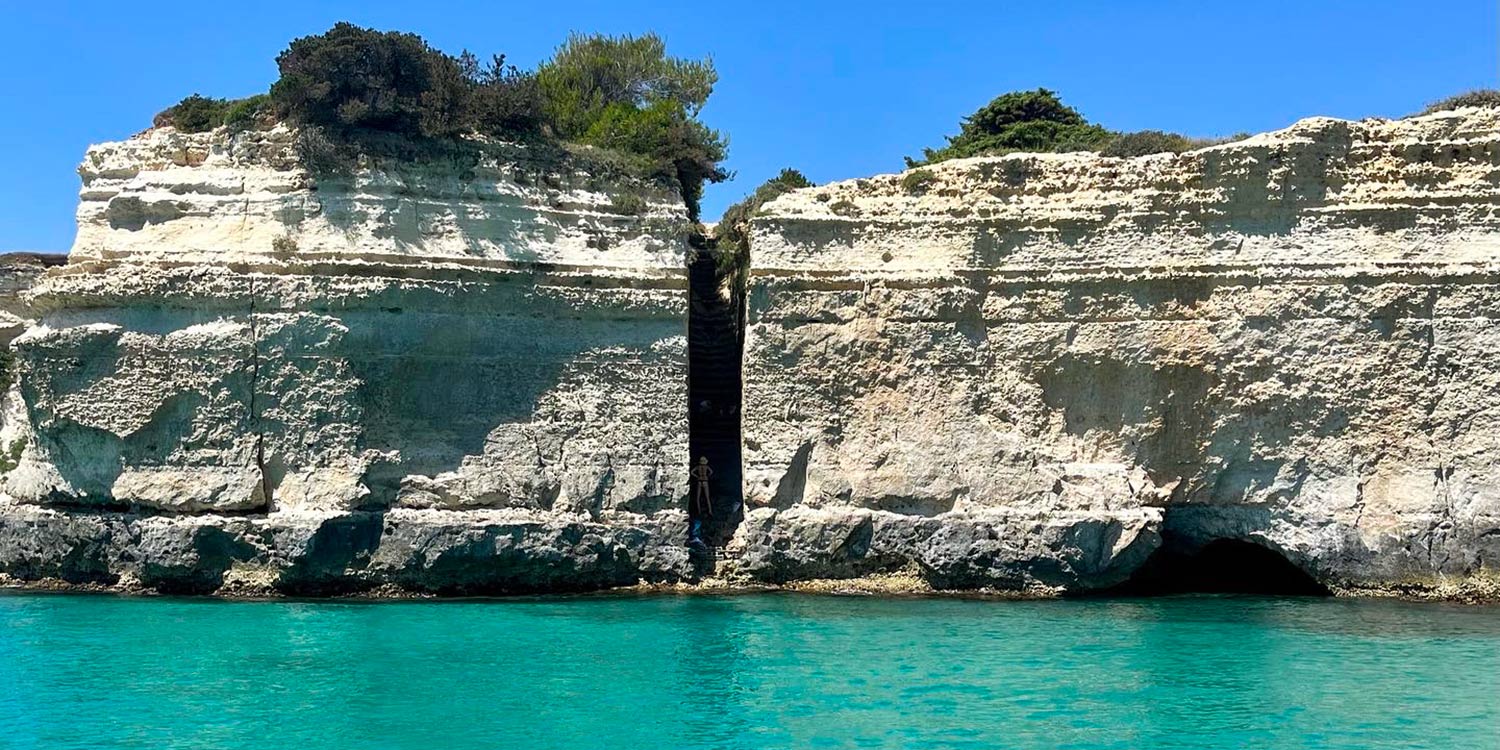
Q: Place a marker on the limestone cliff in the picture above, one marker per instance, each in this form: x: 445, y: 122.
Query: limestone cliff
x: 1032, y: 369
x: 1029, y: 372
x: 18, y: 273
x: 338, y: 360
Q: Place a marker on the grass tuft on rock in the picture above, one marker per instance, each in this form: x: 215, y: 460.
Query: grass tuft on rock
x: 1475, y: 98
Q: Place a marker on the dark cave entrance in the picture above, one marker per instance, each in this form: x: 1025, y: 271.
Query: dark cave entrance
x: 1222, y: 566
x: 716, y: 337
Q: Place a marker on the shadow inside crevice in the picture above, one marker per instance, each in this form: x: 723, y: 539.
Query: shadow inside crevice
x: 715, y: 384
x: 1222, y: 566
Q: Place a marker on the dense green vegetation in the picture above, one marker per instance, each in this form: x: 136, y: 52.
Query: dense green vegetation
x: 357, y: 90
x: 627, y: 95
x: 1038, y: 121
x: 1020, y: 121
x: 917, y: 180
x: 1475, y: 98
x: 350, y: 79
x: 196, y: 114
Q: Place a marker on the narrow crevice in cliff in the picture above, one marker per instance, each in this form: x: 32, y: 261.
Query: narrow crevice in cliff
x: 1222, y: 566
x: 266, y: 488
x: 716, y: 336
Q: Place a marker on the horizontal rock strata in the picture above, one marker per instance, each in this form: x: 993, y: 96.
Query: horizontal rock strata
x: 1060, y: 360
x: 437, y: 552
x: 251, y: 365
x: 1030, y: 372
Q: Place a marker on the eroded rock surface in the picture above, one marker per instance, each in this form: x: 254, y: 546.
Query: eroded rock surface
x: 339, y: 380
x: 1027, y: 372
x: 1028, y: 369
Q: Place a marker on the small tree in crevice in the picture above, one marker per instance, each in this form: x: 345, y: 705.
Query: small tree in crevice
x: 733, y: 231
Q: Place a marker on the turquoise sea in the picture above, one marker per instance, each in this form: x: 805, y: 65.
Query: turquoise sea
x: 748, y: 671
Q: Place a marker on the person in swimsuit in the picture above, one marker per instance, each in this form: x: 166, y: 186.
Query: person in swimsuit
x: 701, y: 505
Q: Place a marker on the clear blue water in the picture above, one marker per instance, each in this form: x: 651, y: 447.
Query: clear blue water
x: 747, y: 672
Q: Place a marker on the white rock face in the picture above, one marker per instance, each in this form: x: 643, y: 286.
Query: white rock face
x: 236, y: 333
x: 469, y: 374
x: 18, y: 273
x: 1290, y: 340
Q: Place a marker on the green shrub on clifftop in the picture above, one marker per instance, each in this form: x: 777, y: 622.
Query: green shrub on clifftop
x: 250, y: 112
x: 625, y: 93
x: 199, y: 114
x: 1143, y: 142
x: 356, y: 91
x: 590, y: 74
x: 1038, y: 122
x: 1030, y: 121
x: 503, y: 99
x: 351, y: 78
x: 917, y: 180
x: 194, y: 114
x: 669, y: 143
x: 736, y: 219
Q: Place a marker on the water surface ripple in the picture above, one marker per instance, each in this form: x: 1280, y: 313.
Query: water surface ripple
x: 757, y: 671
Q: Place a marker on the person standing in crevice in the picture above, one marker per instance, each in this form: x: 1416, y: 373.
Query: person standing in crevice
x: 700, y: 505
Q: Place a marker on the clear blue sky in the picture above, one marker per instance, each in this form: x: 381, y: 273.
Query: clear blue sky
x: 836, y: 89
